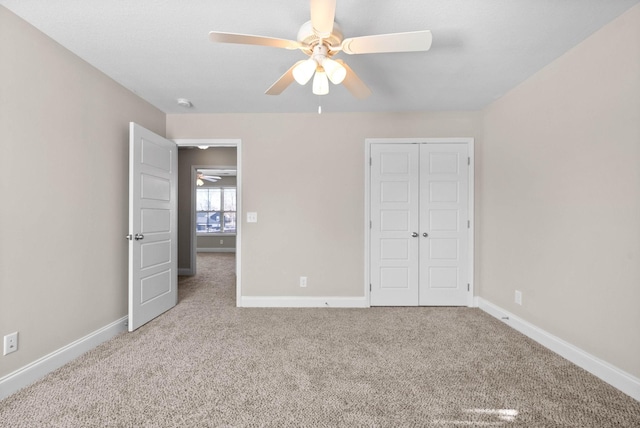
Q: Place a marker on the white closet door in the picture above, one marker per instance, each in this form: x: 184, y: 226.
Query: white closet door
x: 394, y: 220
x: 444, y: 205
x: 419, y: 236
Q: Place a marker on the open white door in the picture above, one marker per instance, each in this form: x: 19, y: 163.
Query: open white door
x: 153, y: 267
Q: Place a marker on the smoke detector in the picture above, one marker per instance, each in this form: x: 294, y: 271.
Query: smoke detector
x: 183, y: 102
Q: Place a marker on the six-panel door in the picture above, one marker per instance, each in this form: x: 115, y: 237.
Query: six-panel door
x: 394, y: 221
x: 443, y: 218
x: 419, y: 235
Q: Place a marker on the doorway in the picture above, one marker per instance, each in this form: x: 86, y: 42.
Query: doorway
x: 419, y: 199
x: 224, y: 157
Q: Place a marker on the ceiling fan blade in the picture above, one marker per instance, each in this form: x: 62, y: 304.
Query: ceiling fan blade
x: 323, y: 13
x: 353, y: 83
x: 213, y: 177
x: 248, y: 39
x: 394, y: 42
x: 283, y: 82
x: 212, y: 180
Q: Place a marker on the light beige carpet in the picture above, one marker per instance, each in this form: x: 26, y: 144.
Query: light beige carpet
x: 207, y: 363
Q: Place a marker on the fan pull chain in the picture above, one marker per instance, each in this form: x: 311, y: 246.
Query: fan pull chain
x: 319, y: 105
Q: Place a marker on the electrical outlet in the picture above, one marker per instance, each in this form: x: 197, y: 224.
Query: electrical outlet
x: 303, y: 281
x: 221, y: 241
x: 10, y: 343
x: 518, y: 298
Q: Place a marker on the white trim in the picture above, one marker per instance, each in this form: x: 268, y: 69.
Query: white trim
x: 470, y: 142
x: 216, y: 250
x: 471, y: 302
x: 304, y: 302
x: 36, y: 370
x: 208, y: 142
x: 219, y: 142
x: 615, y: 377
x: 367, y: 220
x: 192, y: 221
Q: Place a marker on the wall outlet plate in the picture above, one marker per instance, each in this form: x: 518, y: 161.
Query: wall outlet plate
x: 10, y: 343
x: 518, y: 297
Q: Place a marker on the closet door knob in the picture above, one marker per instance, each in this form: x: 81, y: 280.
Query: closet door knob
x: 414, y: 234
x: 425, y: 234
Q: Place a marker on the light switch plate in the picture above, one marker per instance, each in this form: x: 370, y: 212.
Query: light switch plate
x: 252, y: 217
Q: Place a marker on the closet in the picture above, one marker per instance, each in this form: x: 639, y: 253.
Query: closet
x: 419, y: 229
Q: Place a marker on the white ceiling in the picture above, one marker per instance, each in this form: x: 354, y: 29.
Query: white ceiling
x: 160, y: 48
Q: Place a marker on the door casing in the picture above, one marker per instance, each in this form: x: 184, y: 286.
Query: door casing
x: 469, y: 141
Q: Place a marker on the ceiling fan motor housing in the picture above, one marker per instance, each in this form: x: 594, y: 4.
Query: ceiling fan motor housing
x: 307, y: 37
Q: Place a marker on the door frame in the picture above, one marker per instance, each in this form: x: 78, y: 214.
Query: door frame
x: 469, y: 141
x: 213, y: 142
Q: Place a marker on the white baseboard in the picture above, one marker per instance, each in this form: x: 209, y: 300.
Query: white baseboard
x: 615, y: 377
x: 216, y: 250
x: 36, y: 370
x: 303, y: 302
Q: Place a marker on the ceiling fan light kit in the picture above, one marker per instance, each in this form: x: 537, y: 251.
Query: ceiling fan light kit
x: 320, y: 39
x: 320, y: 82
x: 303, y: 72
x: 335, y: 71
x: 319, y: 63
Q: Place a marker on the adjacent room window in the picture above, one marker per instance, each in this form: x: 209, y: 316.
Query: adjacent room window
x: 216, y: 210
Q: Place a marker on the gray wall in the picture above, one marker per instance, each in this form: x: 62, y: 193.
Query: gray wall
x: 216, y: 243
x: 308, y: 190
x: 64, y: 128
x: 560, y: 191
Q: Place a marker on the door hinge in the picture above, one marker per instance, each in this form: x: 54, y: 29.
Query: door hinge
x: 468, y: 287
x: 469, y: 161
x: 468, y: 224
x: 369, y: 288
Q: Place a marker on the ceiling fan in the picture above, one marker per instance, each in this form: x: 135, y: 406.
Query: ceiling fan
x: 202, y: 177
x: 321, y: 38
